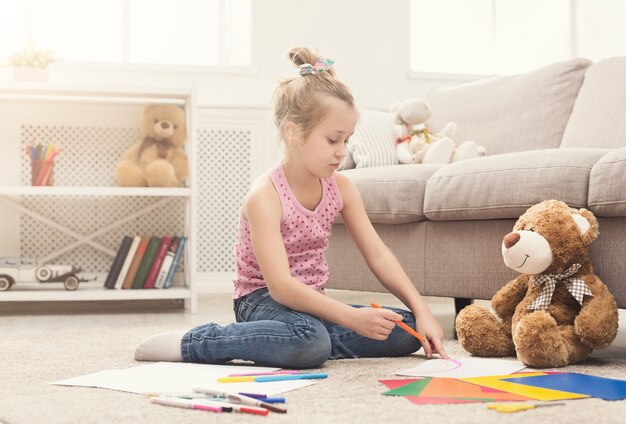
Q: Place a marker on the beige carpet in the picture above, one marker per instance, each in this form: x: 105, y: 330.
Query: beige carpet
x: 351, y: 394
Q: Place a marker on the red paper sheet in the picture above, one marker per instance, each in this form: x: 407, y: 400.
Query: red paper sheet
x: 451, y: 388
x: 451, y: 391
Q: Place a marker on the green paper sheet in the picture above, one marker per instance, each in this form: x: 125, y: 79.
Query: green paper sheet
x: 411, y: 389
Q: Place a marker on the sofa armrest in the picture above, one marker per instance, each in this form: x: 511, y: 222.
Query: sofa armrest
x: 607, y: 185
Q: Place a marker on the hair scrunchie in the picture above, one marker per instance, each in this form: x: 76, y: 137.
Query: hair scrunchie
x: 323, y: 64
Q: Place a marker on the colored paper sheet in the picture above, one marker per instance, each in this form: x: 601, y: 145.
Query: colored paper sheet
x: 463, y: 368
x: 411, y: 389
x: 423, y: 400
x: 536, y: 393
x: 452, y: 388
x: 489, y: 390
x: 394, y: 384
x: 600, y: 387
x: 446, y: 391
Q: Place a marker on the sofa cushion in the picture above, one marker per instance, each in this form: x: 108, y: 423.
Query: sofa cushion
x: 374, y: 141
x: 607, y: 185
x: 502, y: 112
x: 504, y: 186
x: 393, y: 194
x: 598, y: 115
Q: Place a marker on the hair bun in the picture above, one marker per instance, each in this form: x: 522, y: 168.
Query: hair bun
x: 309, y: 63
x: 301, y: 55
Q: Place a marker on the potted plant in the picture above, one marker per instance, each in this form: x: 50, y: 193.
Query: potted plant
x: 31, y: 64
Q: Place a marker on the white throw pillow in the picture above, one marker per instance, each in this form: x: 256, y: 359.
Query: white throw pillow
x: 374, y: 140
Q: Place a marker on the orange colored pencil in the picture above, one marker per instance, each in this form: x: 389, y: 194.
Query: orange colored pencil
x: 405, y: 327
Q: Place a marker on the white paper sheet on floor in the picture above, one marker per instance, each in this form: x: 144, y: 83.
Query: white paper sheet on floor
x: 178, y: 377
x: 463, y: 368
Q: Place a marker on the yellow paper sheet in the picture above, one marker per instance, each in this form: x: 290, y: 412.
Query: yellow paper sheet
x: 537, y: 393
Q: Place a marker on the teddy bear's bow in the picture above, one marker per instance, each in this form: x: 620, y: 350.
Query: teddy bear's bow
x: 576, y: 286
x: 162, y: 145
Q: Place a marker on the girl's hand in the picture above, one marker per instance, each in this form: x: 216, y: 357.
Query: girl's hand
x: 374, y: 323
x: 427, y: 325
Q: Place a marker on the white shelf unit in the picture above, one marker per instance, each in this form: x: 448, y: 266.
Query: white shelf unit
x: 73, y: 111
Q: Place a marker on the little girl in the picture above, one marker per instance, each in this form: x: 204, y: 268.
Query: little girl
x: 283, y: 317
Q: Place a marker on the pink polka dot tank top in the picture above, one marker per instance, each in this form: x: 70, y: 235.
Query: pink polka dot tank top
x: 305, y: 235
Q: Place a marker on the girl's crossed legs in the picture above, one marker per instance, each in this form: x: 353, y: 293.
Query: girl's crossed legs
x: 268, y: 333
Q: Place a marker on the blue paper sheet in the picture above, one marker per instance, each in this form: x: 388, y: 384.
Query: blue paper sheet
x: 600, y: 387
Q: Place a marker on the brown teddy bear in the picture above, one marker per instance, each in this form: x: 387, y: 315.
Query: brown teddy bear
x: 157, y: 160
x: 558, y: 310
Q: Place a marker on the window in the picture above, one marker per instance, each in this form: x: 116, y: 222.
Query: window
x: 600, y: 27
x: 167, y: 32
x: 508, y: 36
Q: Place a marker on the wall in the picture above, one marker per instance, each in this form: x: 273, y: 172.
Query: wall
x: 367, y: 38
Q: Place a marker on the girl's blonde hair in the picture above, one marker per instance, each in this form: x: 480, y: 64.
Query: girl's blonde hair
x: 298, y: 99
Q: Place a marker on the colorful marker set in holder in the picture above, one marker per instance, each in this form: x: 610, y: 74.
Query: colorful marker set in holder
x: 42, y: 163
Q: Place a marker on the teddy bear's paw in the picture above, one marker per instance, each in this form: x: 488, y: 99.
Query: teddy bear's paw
x: 439, y: 152
x: 577, y: 350
x: 481, y: 334
x: 404, y: 154
x: 467, y: 150
x: 181, y: 170
x: 160, y: 173
x: 449, y: 130
x: 539, y: 343
x: 128, y: 174
x: 597, y: 329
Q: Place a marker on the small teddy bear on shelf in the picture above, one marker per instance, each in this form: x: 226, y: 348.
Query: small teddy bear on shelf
x: 157, y: 160
x: 557, y: 311
x: 416, y: 143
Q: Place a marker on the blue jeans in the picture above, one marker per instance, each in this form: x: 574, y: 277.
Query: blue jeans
x: 271, y: 334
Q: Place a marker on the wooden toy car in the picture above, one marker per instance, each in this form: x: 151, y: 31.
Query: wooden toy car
x: 25, y: 270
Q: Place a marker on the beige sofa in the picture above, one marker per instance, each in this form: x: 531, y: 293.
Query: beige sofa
x: 556, y: 133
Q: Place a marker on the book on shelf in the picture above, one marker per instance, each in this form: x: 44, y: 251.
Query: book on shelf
x: 134, y: 265
x: 155, y: 267
x: 146, y: 261
x: 167, y: 263
x: 172, y: 271
x: 127, y: 261
x: 118, y: 262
